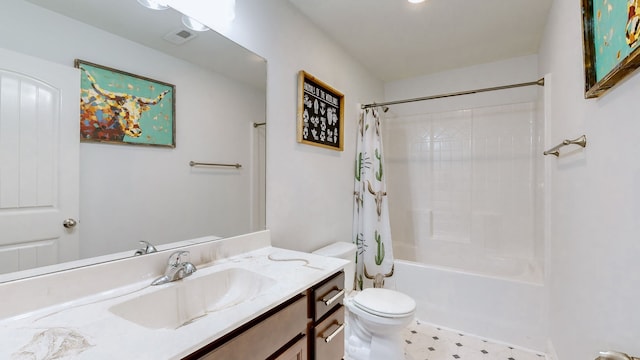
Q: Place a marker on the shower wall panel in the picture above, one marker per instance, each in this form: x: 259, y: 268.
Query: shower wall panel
x: 466, y: 178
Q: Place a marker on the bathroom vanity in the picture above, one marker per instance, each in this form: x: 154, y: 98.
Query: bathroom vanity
x: 327, y: 318
x: 247, y: 300
x: 308, y: 326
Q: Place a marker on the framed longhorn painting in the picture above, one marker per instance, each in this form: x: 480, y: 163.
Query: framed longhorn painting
x: 611, y: 31
x: 122, y: 108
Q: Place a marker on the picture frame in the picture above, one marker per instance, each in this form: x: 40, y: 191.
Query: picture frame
x: 611, y: 44
x: 320, y: 113
x: 119, y: 107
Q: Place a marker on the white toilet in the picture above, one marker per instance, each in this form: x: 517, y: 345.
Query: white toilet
x: 375, y: 317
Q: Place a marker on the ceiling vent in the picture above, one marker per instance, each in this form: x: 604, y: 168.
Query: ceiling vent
x: 180, y: 36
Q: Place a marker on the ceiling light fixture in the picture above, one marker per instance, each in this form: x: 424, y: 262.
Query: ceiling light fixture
x: 416, y: 1
x: 193, y: 24
x: 221, y: 15
x: 153, y: 4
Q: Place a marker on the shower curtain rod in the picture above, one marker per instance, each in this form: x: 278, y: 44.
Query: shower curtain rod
x: 539, y: 82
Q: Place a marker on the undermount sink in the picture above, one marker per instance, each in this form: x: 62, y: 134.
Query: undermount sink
x: 181, y: 302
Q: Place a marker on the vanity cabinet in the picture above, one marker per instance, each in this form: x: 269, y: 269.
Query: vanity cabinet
x: 308, y: 326
x: 264, y: 337
x: 297, y: 351
x: 327, y: 319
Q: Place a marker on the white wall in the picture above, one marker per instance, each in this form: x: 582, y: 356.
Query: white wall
x: 506, y: 72
x: 309, y: 189
x: 594, y: 245
x: 132, y: 193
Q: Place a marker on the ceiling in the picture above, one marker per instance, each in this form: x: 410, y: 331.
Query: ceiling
x: 395, y: 39
x: 126, y: 18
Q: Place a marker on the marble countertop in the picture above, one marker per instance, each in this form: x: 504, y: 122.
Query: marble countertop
x: 85, y: 328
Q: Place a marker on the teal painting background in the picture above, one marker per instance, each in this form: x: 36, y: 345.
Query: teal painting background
x: 609, y: 35
x: 157, y: 123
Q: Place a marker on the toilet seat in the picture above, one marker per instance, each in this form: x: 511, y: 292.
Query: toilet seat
x: 384, y: 303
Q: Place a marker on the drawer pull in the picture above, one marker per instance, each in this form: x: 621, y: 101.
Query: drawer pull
x: 335, y: 333
x: 334, y: 298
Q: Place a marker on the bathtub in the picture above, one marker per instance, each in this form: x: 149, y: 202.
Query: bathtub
x: 475, y: 260
x: 497, y: 308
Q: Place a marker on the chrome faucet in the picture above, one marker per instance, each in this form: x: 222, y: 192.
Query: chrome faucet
x: 147, y: 249
x: 177, y: 268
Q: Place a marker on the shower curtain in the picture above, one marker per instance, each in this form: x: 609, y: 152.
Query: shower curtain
x: 371, y: 229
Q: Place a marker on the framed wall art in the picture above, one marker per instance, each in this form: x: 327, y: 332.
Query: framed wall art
x: 320, y: 113
x: 122, y: 108
x: 611, y: 31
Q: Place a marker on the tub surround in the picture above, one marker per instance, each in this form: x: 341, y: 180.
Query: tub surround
x: 69, y: 311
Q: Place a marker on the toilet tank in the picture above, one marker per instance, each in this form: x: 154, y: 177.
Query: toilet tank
x: 346, y: 251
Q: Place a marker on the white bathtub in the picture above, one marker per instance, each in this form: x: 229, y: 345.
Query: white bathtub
x: 470, y: 259
x: 491, y: 307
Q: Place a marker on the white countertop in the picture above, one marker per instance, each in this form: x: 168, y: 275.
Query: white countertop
x: 85, y: 328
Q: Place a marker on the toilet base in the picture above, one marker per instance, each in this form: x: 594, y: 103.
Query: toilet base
x: 361, y: 344
x: 380, y: 348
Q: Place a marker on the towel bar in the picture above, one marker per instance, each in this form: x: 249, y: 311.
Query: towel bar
x: 193, y: 163
x: 581, y: 141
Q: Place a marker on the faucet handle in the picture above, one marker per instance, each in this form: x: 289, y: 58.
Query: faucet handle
x: 176, y: 258
x: 147, y: 249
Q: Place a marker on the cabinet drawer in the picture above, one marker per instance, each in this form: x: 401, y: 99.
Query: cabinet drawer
x: 329, y: 336
x: 266, y: 337
x: 328, y: 295
x: 297, y: 351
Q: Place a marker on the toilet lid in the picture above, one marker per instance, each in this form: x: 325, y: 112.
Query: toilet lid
x: 384, y: 302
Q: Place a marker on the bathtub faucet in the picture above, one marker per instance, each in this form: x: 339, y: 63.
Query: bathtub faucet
x: 177, y: 268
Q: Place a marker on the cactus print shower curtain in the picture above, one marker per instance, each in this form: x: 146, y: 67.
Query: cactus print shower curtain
x: 371, y: 229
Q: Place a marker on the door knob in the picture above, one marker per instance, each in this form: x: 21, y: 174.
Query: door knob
x: 69, y: 223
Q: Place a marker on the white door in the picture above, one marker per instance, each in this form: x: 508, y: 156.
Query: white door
x: 39, y: 157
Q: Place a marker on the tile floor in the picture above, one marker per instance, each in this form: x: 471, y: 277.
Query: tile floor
x: 428, y: 342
